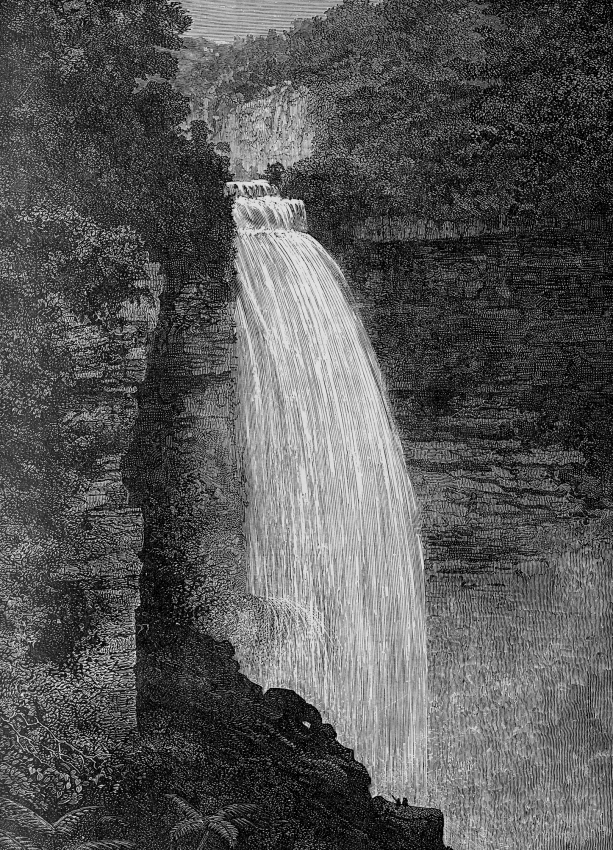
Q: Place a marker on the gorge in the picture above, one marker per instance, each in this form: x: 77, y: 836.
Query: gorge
x: 226, y: 440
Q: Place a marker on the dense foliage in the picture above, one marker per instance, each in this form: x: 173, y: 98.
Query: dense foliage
x: 96, y: 177
x: 443, y: 108
x: 546, y: 142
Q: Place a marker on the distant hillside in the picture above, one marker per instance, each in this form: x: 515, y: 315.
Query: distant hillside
x: 216, y: 77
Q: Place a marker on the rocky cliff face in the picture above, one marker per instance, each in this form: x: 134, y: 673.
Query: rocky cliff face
x: 274, y: 128
x: 158, y: 524
x: 77, y: 534
x: 106, y: 564
x: 182, y: 467
x: 496, y: 351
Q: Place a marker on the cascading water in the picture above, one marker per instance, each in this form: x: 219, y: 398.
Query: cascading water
x: 333, y: 554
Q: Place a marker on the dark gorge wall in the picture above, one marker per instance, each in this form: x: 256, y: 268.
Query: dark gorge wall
x: 182, y: 472
x: 497, y: 354
x: 496, y: 350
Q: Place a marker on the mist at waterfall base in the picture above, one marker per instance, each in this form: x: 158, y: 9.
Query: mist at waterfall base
x: 334, y: 558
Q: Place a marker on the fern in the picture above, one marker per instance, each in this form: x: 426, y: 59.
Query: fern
x: 15, y: 842
x: 224, y: 829
x: 106, y: 844
x: 186, y: 810
x: 186, y: 828
x: 220, y: 829
x: 24, y: 819
x: 244, y: 823
x: 68, y: 823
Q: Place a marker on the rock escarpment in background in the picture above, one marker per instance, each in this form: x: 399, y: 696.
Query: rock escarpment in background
x: 276, y: 127
x: 495, y: 349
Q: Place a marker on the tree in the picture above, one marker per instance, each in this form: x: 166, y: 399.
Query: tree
x: 275, y: 174
x: 454, y: 110
x: 394, y: 86
x: 546, y: 143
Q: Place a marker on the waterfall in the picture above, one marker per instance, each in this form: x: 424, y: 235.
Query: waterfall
x: 334, y: 558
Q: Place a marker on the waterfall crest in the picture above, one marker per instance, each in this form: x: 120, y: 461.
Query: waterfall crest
x: 333, y: 553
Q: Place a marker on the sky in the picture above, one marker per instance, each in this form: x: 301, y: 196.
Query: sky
x: 222, y: 20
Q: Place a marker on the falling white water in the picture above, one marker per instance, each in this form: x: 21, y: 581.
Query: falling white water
x: 333, y: 552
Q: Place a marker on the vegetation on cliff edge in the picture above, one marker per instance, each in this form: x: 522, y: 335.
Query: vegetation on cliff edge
x: 444, y: 108
x: 96, y: 178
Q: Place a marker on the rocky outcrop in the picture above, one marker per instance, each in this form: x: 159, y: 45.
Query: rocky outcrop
x: 69, y: 575
x: 494, y: 349
x: 231, y: 742
x: 106, y: 563
x: 182, y: 466
x: 274, y: 128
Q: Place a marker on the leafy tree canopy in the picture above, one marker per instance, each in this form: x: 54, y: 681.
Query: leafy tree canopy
x: 442, y: 108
